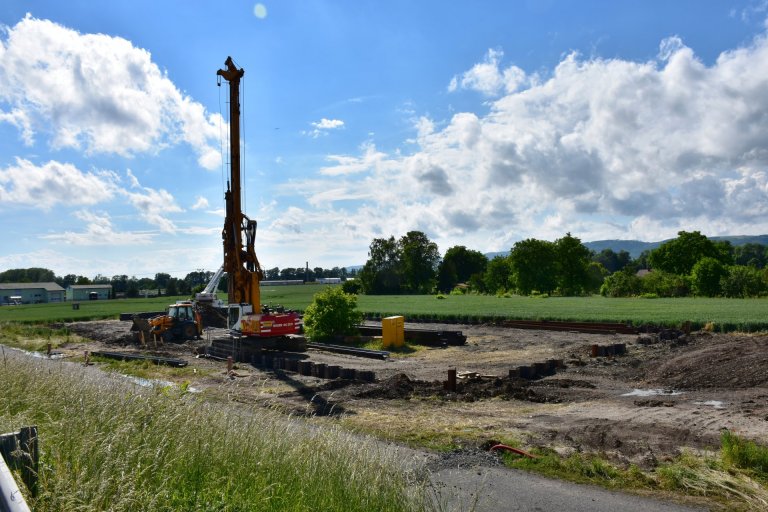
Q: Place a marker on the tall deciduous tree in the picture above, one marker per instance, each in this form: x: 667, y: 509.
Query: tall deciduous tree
x: 572, y: 265
x: 498, y: 274
x: 534, y: 266
x: 381, y: 273
x: 459, y: 264
x: 678, y: 256
x: 419, y: 258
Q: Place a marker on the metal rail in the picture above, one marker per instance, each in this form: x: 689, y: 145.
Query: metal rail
x: 584, y: 327
x: 353, y: 351
x: 18, y: 450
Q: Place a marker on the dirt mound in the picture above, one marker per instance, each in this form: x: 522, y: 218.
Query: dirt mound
x: 402, y: 387
x: 107, y: 331
x: 733, y: 362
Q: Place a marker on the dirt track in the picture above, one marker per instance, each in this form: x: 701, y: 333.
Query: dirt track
x: 642, y: 407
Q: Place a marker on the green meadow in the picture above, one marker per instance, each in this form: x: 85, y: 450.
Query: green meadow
x: 748, y: 315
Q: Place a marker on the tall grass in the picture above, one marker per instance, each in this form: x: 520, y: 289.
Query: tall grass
x: 109, y: 445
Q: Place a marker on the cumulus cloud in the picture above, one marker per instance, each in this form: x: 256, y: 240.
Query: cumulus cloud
x: 487, y: 78
x: 200, y: 203
x: 603, y: 148
x: 98, y: 231
x: 96, y: 93
x: 323, y: 126
x: 54, y: 183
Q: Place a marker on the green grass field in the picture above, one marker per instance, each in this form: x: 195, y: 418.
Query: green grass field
x: 726, y: 314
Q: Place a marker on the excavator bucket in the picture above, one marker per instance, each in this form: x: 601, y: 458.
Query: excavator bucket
x: 142, y: 330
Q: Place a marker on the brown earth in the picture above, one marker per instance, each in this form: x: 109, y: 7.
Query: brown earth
x: 669, y: 392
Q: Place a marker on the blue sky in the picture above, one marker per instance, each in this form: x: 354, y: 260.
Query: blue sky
x: 479, y: 123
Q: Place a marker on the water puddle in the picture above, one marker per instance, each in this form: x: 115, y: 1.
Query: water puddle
x: 653, y: 392
x: 39, y: 355
x: 151, y: 383
x: 717, y: 404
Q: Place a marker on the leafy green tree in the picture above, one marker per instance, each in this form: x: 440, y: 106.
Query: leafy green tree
x: 753, y: 255
x: 381, y: 273
x: 596, y: 274
x: 459, y: 264
x: 171, y: 286
x: 572, y: 264
x: 534, y: 266
x: 621, y: 284
x: 665, y: 284
x: 498, y: 275
x: 419, y: 258
x: 678, y: 256
x: 612, y: 261
x: 272, y: 274
x: 743, y: 281
x: 706, y: 275
x: 28, y: 275
x: 331, y: 313
x: 351, y: 286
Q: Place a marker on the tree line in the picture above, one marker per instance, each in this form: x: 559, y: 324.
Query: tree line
x: 131, y: 287
x: 690, y: 264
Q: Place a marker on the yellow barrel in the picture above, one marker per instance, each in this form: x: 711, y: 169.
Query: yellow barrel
x: 393, y: 331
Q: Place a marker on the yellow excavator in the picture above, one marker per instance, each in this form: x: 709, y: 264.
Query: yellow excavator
x: 181, y: 322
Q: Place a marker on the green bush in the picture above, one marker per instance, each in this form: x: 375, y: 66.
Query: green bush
x: 331, y: 313
x: 621, y: 284
x: 352, y: 286
x: 706, y: 275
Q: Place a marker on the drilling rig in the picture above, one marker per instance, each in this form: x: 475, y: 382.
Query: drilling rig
x: 255, y: 325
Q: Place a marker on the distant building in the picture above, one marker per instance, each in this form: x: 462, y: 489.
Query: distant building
x: 281, y: 282
x: 328, y: 280
x: 89, y: 291
x: 30, y: 293
x: 642, y: 272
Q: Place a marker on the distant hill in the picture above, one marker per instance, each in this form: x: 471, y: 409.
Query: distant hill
x: 635, y: 247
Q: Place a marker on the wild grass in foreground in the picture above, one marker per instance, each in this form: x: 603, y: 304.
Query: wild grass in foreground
x: 109, y: 445
x: 736, y: 477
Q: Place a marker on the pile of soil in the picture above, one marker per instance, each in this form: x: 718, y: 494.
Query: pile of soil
x: 108, y: 331
x: 402, y: 387
x: 729, y: 362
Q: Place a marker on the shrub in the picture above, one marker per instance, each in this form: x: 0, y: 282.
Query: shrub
x: 665, y: 284
x: 352, y: 286
x: 621, y: 284
x: 742, y: 281
x: 331, y: 313
x: 706, y: 275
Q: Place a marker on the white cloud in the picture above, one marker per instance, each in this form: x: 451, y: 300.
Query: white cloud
x: 343, y: 164
x: 323, y: 126
x: 154, y: 206
x: 54, y: 183
x: 487, y: 78
x: 603, y: 148
x: 200, y: 203
x: 99, y: 231
x: 98, y: 93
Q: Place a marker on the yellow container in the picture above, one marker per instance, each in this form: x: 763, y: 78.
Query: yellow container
x: 393, y: 331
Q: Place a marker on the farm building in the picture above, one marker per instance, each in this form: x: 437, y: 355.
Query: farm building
x: 89, y: 291
x: 329, y: 280
x: 30, y: 293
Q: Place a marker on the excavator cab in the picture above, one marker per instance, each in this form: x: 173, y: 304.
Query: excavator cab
x: 181, y: 322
